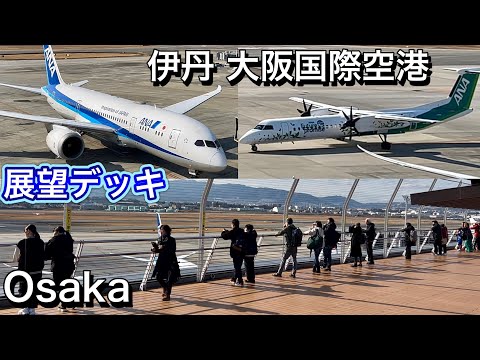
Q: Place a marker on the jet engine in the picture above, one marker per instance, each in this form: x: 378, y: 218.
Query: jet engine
x: 65, y: 143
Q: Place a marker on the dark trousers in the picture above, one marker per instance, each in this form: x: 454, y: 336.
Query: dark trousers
x: 437, y: 244
x: 327, y: 256
x: 369, y: 245
x: 237, y: 266
x: 408, y: 249
x: 59, y: 275
x: 32, y: 302
x: 165, y: 282
x: 250, y: 268
x: 316, y: 260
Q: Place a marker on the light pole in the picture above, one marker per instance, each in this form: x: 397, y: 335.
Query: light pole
x: 406, y: 198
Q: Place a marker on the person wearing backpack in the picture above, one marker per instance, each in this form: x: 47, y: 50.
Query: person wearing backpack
x: 409, y: 231
x: 291, y: 247
x: 236, y: 237
x: 316, y: 232
x: 250, y: 250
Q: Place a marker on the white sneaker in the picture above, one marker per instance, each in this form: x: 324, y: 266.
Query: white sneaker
x: 25, y: 311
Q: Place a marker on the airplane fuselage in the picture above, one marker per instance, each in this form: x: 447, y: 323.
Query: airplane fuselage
x: 174, y: 137
x: 313, y: 127
x: 321, y: 126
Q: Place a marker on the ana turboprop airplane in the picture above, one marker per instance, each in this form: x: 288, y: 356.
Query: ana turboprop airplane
x: 166, y: 133
x: 317, y: 122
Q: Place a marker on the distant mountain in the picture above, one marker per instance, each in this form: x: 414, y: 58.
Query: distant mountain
x: 191, y: 191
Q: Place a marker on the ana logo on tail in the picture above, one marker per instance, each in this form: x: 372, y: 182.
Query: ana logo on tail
x: 461, y: 88
x: 49, y: 58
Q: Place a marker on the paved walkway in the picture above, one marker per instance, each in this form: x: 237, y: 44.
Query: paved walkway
x: 427, y: 284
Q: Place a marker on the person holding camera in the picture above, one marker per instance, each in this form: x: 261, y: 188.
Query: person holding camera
x: 408, y: 230
x: 236, y: 237
x: 59, y: 249
x: 291, y: 248
x: 370, y: 234
x: 358, y: 238
x: 317, y: 231
x: 166, y: 269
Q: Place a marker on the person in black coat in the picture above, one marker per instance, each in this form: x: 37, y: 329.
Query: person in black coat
x: 166, y: 269
x: 235, y: 236
x: 370, y: 234
x: 437, y: 237
x: 357, y: 240
x: 408, y: 230
x: 59, y: 249
x: 30, y: 256
x: 330, y: 236
x: 250, y: 249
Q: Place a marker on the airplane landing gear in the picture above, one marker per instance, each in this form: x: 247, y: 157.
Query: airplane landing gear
x: 254, y: 147
x: 385, y: 144
x: 193, y: 173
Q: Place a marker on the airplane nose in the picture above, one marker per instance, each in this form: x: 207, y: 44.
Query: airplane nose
x: 246, y: 138
x: 218, y: 162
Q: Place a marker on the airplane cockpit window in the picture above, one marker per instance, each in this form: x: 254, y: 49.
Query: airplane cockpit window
x: 258, y: 127
x: 199, y: 143
x: 268, y: 127
x: 210, y: 143
x: 217, y: 143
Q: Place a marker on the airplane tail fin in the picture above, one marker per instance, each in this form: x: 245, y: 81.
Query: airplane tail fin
x: 460, y: 98
x: 53, y: 74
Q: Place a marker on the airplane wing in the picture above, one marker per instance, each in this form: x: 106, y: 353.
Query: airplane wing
x: 187, y: 105
x: 84, y: 126
x: 382, y: 116
x: 318, y: 105
x: 26, y: 88
x: 79, y: 83
x: 376, y: 114
x: 450, y: 174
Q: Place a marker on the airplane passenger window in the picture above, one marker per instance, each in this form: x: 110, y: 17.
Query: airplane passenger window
x: 198, y: 143
x: 268, y: 127
x: 258, y: 127
x: 210, y: 143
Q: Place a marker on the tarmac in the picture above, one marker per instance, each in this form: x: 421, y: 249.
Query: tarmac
x: 128, y: 76
x: 452, y: 146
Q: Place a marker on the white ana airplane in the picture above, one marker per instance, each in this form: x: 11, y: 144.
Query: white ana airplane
x: 166, y: 133
x: 317, y: 122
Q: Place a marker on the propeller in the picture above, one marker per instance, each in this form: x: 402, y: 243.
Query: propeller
x: 236, y: 129
x: 350, y: 123
x: 305, y: 111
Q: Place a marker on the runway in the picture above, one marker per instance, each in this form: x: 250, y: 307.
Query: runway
x: 452, y: 146
x: 128, y: 76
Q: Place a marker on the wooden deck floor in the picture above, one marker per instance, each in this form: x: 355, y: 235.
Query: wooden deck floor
x: 427, y: 284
